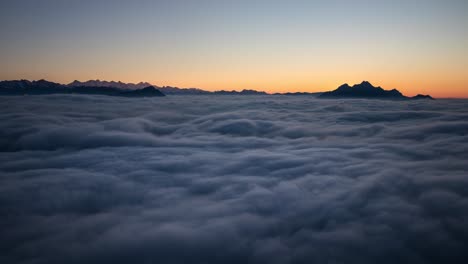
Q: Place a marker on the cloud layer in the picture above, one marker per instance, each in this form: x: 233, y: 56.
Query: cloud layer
x: 232, y: 179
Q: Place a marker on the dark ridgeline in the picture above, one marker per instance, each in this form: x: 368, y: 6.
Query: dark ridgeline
x: 119, y: 84
x: 367, y: 90
x: 145, y: 92
x: 422, y: 96
x: 24, y: 87
x: 243, y: 92
x: 142, y: 89
x: 299, y: 94
x: 168, y: 90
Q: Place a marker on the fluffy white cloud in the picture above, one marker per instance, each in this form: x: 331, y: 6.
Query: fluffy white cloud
x: 232, y: 179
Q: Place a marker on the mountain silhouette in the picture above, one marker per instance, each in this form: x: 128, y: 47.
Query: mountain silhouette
x: 422, y: 96
x: 299, y: 94
x: 25, y: 87
x: 145, y: 92
x: 243, y: 92
x: 113, y: 84
x: 20, y: 87
x: 142, y: 89
x: 367, y: 90
x: 168, y: 90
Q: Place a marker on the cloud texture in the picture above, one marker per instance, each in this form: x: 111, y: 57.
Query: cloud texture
x: 232, y: 179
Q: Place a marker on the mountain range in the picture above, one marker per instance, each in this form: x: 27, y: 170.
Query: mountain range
x: 144, y: 89
x: 119, y: 84
x: 169, y: 90
x: 25, y: 87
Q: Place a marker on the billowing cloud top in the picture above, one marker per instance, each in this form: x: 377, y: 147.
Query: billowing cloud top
x: 209, y: 179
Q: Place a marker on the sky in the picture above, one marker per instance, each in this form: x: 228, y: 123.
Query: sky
x: 277, y: 46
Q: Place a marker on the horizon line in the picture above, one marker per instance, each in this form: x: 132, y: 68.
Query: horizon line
x: 217, y: 90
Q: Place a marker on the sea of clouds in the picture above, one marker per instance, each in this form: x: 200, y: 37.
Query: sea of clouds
x: 232, y: 179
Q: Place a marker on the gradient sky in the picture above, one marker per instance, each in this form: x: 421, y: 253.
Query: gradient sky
x: 415, y: 46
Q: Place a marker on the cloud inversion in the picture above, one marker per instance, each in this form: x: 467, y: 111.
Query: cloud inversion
x: 226, y: 179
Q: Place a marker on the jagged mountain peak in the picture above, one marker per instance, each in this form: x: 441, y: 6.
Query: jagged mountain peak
x: 366, y: 90
x: 114, y: 84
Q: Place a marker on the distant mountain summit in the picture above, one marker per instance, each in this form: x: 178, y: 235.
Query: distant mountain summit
x: 422, y: 96
x: 113, y: 84
x: 169, y: 90
x: 243, y: 92
x: 149, y: 91
x: 367, y: 90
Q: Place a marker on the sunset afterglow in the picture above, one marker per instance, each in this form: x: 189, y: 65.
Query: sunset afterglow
x: 276, y: 46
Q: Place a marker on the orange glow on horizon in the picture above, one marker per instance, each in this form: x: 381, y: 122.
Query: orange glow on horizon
x: 439, y: 83
x: 449, y: 89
